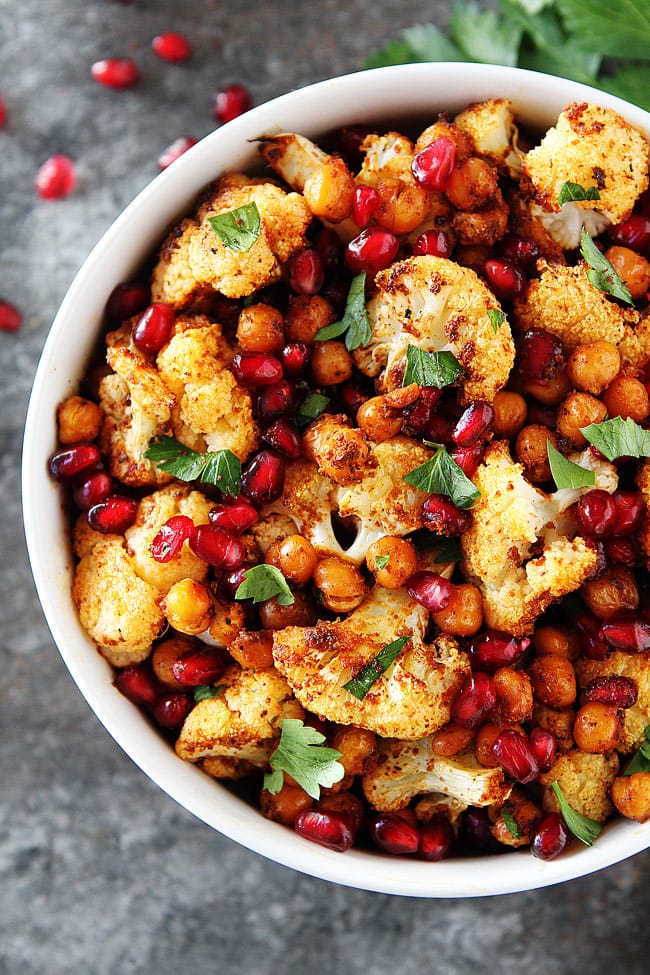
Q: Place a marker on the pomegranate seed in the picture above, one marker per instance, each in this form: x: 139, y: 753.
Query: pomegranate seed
x: 430, y: 590
x: 231, y: 582
x: 113, y: 515
x: 3, y: 113
x: 620, y: 691
x: 202, y: 665
x: 306, y: 273
x: 10, y: 317
x: 493, y: 649
x: 629, y: 511
x: 634, y: 232
x: 263, y: 477
x: 394, y: 835
x: 138, y: 683
x: 476, y: 830
x: 67, y: 463
x: 329, y: 829
x: 294, y: 356
x: 520, y: 251
x: 436, y: 839
x: 366, y: 200
x: 540, y: 354
x: 372, y: 250
x: 349, y: 139
x: 330, y: 248
x: 92, y: 489
x: 550, y: 838
x: 632, y: 637
x: 116, y: 72
x: 468, y: 458
x: 230, y: 102
x: 352, y: 398
x: 543, y: 745
x: 171, y: 46
x: 473, y: 424
x: 170, y: 710
x: 125, y: 301
x: 506, y: 279
x: 168, y: 542
x: 621, y: 551
x: 276, y: 400
x: 237, y: 517
x: 513, y: 752
x: 433, y: 167
x: 439, y: 429
x: 153, y: 328
x: 253, y: 369
x: 593, y: 646
x: 442, y: 516
x: 596, y: 513
x: 56, y: 178
x: 432, y: 242
x: 177, y: 148
x: 418, y: 416
x: 217, y: 546
x: 283, y: 437
x: 476, y: 699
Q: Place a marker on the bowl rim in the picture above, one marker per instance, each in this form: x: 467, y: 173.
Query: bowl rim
x: 311, y: 109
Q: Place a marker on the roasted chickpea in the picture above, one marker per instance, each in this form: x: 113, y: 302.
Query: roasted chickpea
x: 392, y: 560
x: 463, y: 614
x: 358, y: 748
x: 549, y: 392
x: 80, y: 420
x: 472, y: 184
x: 307, y: 314
x: 510, y: 411
x: 167, y: 653
x: 614, y: 592
x: 447, y: 130
x: 341, y: 584
x: 301, y: 612
x: 329, y: 190
x: 514, y: 694
x: 403, y: 207
x: 576, y: 411
x: 294, y: 556
x: 260, y: 328
x: 227, y: 621
x: 345, y: 803
x: 331, y: 363
x: 525, y: 814
x: 554, y: 680
x: 531, y: 451
x: 377, y: 420
x: 631, y: 796
x: 253, y: 649
x: 628, y: 398
x: 558, y: 640
x: 451, y: 739
x: 598, y: 727
x: 632, y: 268
x: 188, y: 606
x: 285, y: 805
x: 593, y: 366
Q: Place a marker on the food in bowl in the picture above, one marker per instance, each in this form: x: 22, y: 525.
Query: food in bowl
x: 363, y: 515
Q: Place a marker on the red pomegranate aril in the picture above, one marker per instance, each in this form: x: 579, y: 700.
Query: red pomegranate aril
x: 550, y: 839
x: 171, y: 537
x: 432, y: 168
x: 253, y: 369
x: 113, y: 515
x: 634, y: 232
x: 231, y: 102
x: 629, y: 511
x: 543, y: 745
x: 614, y: 689
x: 476, y: 699
x: 493, y: 649
x: 116, y: 72
x: 230, y: 583
x: 593, y: 646
x: 10, y: 318
x: 329, y: 829
x: 439, y: 429
x: 263, y: 477
x: 506, y: 279
x: 56, y: 178
x: 154, y: 327
x: 476, y: 831
x: 352, y: 398
x: 372, y: 250
x: 90, y: 490
x: 540, y: 355
x: 468, y: 458
x: 513, y: 752
x: 176, y: 149
x: 596, y: 513
x: 394, y: 835
x: 366, y: 200
x: 3, y: 112
x: 417, y: 417
x: 125, y: 301
x: 436, y: 839
x: 200, y: 666
x: 435, y: 243
x: 170, y: 710
x: 294, y: 357
x: 237, y: 517
x: 67, y: 463
x: 519, y: 250
x: 430, y: 590
x: 138, y: 683
x: 283, y: 437
x: 473, y: 424
x: 442, y: 516
x: 276, y: 400
x: 630, y: 636
x: 217, y: 547
x: 621, y: 551
x: 171, y: 46
x: 329, y: 247
x: 306, y: 273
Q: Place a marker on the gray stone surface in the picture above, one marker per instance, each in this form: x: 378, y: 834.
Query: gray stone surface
x: 99, y: 871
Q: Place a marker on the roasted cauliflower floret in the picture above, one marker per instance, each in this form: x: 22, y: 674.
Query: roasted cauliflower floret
x: 340, y: 450
x: 590, y: 146
x: 409, y: 700
x: 509, y: 520
x: 242, y: 721
x: 410, y: 768
x: 634, y: 347
x: 491, y: 124
x: 435, y: 304
x: 585, y: 781
x: 637, y: 668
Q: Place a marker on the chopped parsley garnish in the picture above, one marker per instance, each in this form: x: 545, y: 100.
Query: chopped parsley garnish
x: 510, y: 823
x: 238, y: 229
x: 381, y: 561
x: 601, y: 273
x: 565, y: 473
x: 442, y: 475
x: 497, y: 318
x: 262, y: 582
x: 583, y: 828
x: 641, y: 758
x: 574, y: 192
x: 310, y: 409
x: 430, y: 368
x: 203, y: 692
x: 618, y: 438
x: 302, y: 755
x: 219, y: 467
x: 355, y: 324
x: 361, y: 684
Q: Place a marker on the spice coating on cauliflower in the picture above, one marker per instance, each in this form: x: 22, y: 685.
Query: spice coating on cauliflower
x: 491, y: 124
x: 585, y: 780
x: 637, y: 668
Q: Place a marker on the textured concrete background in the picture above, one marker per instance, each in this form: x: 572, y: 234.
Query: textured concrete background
x: 99, y: 871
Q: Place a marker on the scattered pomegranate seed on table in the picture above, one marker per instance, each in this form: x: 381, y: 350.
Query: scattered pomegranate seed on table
x: 3, y: 112
x: 116, y: 72
x: 171, y: 46
x: 56, y: 178
x: 10, y: 318
x: 174, y: 151
x: 230, y: 102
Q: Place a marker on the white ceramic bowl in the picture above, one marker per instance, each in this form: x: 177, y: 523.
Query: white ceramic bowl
x: 421, y: 90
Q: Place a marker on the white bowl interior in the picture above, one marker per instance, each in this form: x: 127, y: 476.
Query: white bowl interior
x: 420, y: 90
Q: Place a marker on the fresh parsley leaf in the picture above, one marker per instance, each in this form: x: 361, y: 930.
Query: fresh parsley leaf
x: 565, y: 473
x: 361, y: 684
x: 430, y: 368
x: 547, y: 47
x: 219, y: 467
x: 583, y: 828
x: 623, y: 31
x: 204, y: 692
x: 355, y: 323
x: 262, y: 582
x: 641, y: 758
x: 310, y: 409
x: 424, y: 42
x: 238, y: 229
x: 484, y: 35
x: 630, y: 81
x: 618, y: 438
x: 510, y: 823
x: 442, y: 475
x: 573, y: 192
x: 302, y: 755
x: 497, y: 318
x: 381, y: 561
x: 601, y: 273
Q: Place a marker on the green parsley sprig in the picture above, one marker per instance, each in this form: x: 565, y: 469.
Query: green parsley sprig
x: 601, y: 272
x: 618, y: 437
x: 361, y: 684
x: 355, y: 324
x: 430, y: 368
x: 238, y: 229
x: 262, y: 582
x: 302, y: 755
x: 574, y: 192
x: 583, y: 828
x: 219, y: 467
x: 641, y: 758
x: 565, y: 473
x: 442, y: 475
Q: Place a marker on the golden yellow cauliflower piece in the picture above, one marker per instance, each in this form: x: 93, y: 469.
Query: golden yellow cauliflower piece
x: 643, y: 484
x: 636, y: 666
x: 412, y: 698
x: 340, y: 450
x: 585, y: 781
x: 242, y: 721
x: 634, y: 347
x: 491, y: 124
x: 435, y: 304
